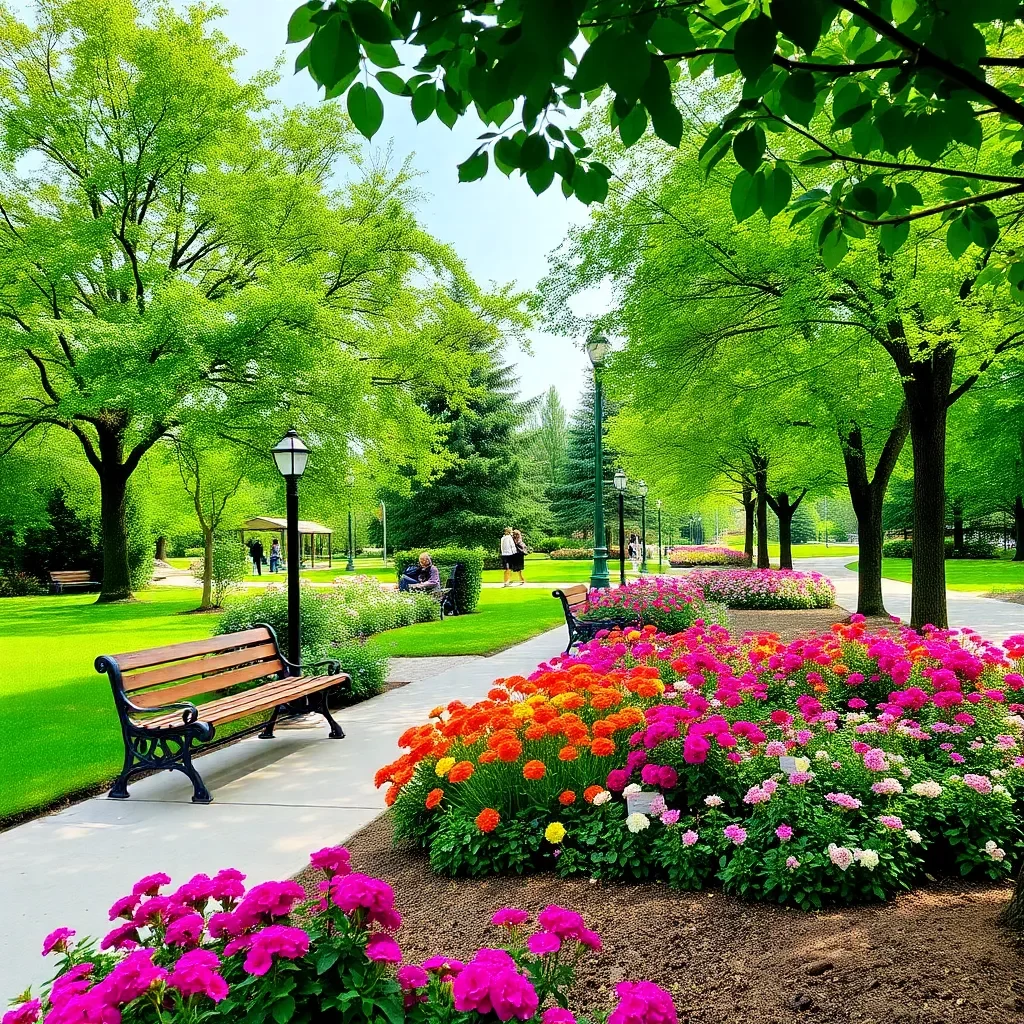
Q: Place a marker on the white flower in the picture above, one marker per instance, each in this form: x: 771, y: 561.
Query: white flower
x: 1001, y: 790
x: 637, y: 822
x: 840, y: 856
x: 990, y: 846
x: 998, y: 773
x: 995, y: 852
x: 821, y: 754
x: 929, y: 788
x: 714, y: 800
x: 913, y: 835
x: 1015, y: 722
x: 906, y: 773
x: 867, y: 859
x: 898, y: 758
x: 854, y: 717
x: 632, y: 789
x: 602, y: 798
x: 681, y: 686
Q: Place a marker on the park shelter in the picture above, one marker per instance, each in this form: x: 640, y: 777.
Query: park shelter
x: 314, y: 539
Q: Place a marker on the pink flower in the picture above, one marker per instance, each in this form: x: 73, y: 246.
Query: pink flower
x: 135, y: 974
x: 444, y: 966
x: 121, y: 936
x: 359, y: 892
x: 124, y: 907
x: 689, y: 837
x: 196, y: 891
x: 227, y: 885
x: 841, y: 856
x: 979, y: 783
x: 542, y: 943
x: 843, y: 801
x: 57, y: 941
x: 150, y: 885
x: 891, y: 821
x: 735, y: 834
x: 510, y: 917
x: 566, y: 924
x: 275, y: 940
x: 411, y: 977
x: 887, y: 787
x: 266, y: 901
x: 776, y: 748
x: 491, y: 984
x: 956, y: 758
x: 642, y: 1002
x: 792, y: 863
x: 185, y: 931
x: 669, y: 817
x: 195, y: 974
x: 557, y: 1015
x: 71, y: 983
x: 800, y: 778
x: 856, y: 703
x: 383, y: 949
x: 784, y: 832
x: 335, y: 860
x: 27, y: 1013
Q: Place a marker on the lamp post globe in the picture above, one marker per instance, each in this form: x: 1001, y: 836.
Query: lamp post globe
x: 291, y: 457
x: 598, y: 348
x: 350, y: 479
x: 620, y: 482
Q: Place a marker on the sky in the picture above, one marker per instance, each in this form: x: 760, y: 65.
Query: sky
x: 498, y: 226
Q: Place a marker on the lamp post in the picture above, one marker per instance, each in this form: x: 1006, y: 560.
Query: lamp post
x: 642, y: 489
x: 597, y: 349
x: 660, y: 548
x: 384, y: 523
x: 291, y: 456
x: 350, y: 479
x: 620, y: 486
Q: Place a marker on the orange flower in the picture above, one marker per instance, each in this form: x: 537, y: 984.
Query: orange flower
x: 487, y: 820
x: 498, y: 696
x: 488, y: 756
x: 533, y: 770
x: 461, y: 772
x: 510, y: 750
x: 573, y: 700
x: 840, y: 669
x: 602, y: 747
x: 536, y: 732
x: 436, y: 712
x: 605, y: 698
x: 434, y: 797
x: 602, y: 728
x: 402, y: 776
x: 383, y: 775
x: 567, y: 753
x: 496, y: 739
x: 391, y: 795
x: 545, y: 714
x: 590, y: 792
x: 566, y: 797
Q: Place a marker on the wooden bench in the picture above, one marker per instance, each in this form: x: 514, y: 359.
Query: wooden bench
x: 161, y: 726
x: 574, y: 602
x: 71, y: 579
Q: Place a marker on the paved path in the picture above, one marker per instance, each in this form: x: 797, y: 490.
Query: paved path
x: 995, y: 620
x: 275, y: 801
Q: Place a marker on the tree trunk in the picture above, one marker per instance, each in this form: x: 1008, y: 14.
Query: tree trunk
x: 927, y: 392
x: 161, y: 549
x: 207, y: 600
x: 958, y: 525
x: 113, y: 493
x: 784, y: 512
x: 1018, y: 528
x: 748, y: 522
x: 761, y: 487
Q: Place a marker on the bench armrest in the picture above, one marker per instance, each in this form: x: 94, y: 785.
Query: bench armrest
x: 333, y: 665
x: 189, y: 712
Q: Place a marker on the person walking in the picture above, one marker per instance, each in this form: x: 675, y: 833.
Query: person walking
x: 275, y: 555
x: 519, y: 557
x: 634, y: 552
x: 257, y: 557
x: 508, y: 554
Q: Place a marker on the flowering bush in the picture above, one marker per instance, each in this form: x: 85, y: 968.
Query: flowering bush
x: 212, y: 951
x: 669, y: 603
x: 836, y: 768
x: 766, y: 588
x: 692, y: 554
x: 565, y: 554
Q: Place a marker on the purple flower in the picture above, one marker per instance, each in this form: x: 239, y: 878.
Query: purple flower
x: 735, y: 834
x: 196, y: 973
x: 509, y: 917
x: 642, y: 1002
x: 784, y: 832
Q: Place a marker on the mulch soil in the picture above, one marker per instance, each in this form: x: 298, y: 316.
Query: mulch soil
x: 934, y: 956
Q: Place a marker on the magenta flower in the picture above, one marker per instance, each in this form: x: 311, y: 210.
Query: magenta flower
x: 196, y: 974
x: 689, y: 837
x: 490, y: 984
x: 784, y: 832
x: 227, y: 885
x: 642, y: 1002
x: 382, y: 949
x: 266, y: 901
x: 121, y: 937
x: 735, y: 834
x: 150, y: 885
x: 335, y: 860
x: 891, y: 821
x: 274, y: 940
x: 135, y: 974
x: 509, y: 917
x: 195, y: 892
x: 411, y: 977
x: 185, y: 931
x: 670, y: 817
x: 355, y: 892
x: 557, y: 1015
x: 542, y: 943
x: 71, y: 983
x: 566, y: 924
x: 57, y: 941
x: 445, y: 967
x: 979, y: 783
x: 27, y: 1013
x: 124, y: 907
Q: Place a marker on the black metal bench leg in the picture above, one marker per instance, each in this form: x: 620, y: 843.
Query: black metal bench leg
x: 119, y: 790
x: 268, y: 729
x: 336, y: 733
x: 200, y: 794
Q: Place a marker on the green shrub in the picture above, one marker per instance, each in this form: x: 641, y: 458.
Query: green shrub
x: 425, y: 608
x: 20, y: 584
x: 367, y: 668
x: 548, y: 544
x: 564, y: 554
x: 467, y: 592
x: 492, y: 561
x: 190, y: 553
x: 972, y: 549
x: 898, y: 549
x: 230, y: 566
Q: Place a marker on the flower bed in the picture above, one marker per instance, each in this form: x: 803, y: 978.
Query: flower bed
x: 571, y: 554
x: 766, y: 588
x: 212, y: 951
x: 669, y: 603
x: 687, y: 555
x: 837, y: 768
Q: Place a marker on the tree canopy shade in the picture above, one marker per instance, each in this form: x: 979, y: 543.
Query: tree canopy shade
x: 172, y: 257
x: 904, y: 86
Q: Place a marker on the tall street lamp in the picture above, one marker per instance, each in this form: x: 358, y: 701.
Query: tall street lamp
x: 660, y: 549
x: 291, y: 456
x: 597, y: 349
x: 350, y: 479
x: 642, y: 489
x: 620, y: 486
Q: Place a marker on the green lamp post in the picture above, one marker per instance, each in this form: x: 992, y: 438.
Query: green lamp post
x: 642, y: 490
x: 598, y: 348
x: 350, y: 479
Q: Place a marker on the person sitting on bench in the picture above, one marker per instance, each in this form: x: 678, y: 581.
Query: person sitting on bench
x: 423, y: 576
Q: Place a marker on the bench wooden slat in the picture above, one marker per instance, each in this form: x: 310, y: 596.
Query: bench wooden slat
x: 208, y: 684
x: 191, y: 649
x: 200, y: 666
x: 71, y: 575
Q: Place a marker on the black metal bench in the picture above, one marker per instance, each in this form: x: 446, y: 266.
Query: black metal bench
x: 161, y: 727
x: 72, y: 579
x: 574, y: 600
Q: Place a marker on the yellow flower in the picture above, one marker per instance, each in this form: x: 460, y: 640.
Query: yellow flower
x: 555, y: 832
x: 633, y: 634
x: 522, y: 710
x: 444, y: 766
x: 802, y: 764
x: 537, y: 698
x: 560, y: 698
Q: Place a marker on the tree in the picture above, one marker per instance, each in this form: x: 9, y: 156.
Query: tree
x: 551, y: 437
x: 904, y: 84
x: 176, y: 251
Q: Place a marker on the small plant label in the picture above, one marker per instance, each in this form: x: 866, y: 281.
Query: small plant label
x: 639, y: 803
x: 787, y: 764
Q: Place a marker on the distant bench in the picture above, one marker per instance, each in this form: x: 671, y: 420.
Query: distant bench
x: 574, y: 603
x: 72, y: 579
x: 161, y: 727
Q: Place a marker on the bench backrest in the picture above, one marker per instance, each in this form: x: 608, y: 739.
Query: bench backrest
x: 71, y: 576
x: 575, y: 598
x: 164, y: 675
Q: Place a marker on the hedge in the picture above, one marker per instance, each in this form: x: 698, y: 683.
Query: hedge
x: 972, y: 549
x: 467, y: 591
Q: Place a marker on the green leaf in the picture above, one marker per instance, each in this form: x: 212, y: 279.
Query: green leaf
x: 908, y: 194
x: 755, y: 46
x: 632, y: 65
x: 575, y: 138
x: 333, y: 52
x: 983, y: 226
x: 365, y: 108
x: 745, y: 197
x: 475, y: 167
x: 540, y: 178
x: 283, y: 1009
x: 671, y: 36
x: 778, y: 187
x: 799, y: 20
x: 903, y: 10
x: 391, y: 82
x: 506, y: 154
x: 834, y: 249
x: 668, y: 125
x: 633, y: 125
x: 850, y: 117
x: 892, y: 236
x: 798, y: 97
x: 534, y: 152
x: 300, y: 24
x: 424, y: 101
x: 1015, y: 276
x: 597, y: 61
x: 590, y: 186
x: 382, y: 54
x: 748, y: 148
x: 372, y: 25
x: 958, y: 237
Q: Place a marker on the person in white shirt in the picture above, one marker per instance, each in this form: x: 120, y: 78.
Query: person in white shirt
x: 508, y: 552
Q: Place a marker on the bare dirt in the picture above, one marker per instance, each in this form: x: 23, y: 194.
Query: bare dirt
x: 790, y: 624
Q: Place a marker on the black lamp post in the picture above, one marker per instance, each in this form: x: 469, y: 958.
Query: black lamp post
x: 660, y: 548
x: 291, y: 456
x: 642, y: 489
x: 597, y: 349
x: 620, y: 486
x: 350, y: 479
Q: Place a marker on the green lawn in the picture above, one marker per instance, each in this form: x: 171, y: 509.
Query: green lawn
x: 503, y: 618
x: 799, y: 550
x: 987, y: 575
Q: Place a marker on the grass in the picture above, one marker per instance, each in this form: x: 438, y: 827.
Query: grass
x: 985, y: 575
x: 799, y: 550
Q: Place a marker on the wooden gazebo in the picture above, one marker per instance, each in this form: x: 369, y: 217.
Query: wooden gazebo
x: 313, y: 538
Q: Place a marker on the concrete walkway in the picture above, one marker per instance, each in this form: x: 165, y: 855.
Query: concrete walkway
x: 995, y: 620
x: 275, y: 802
